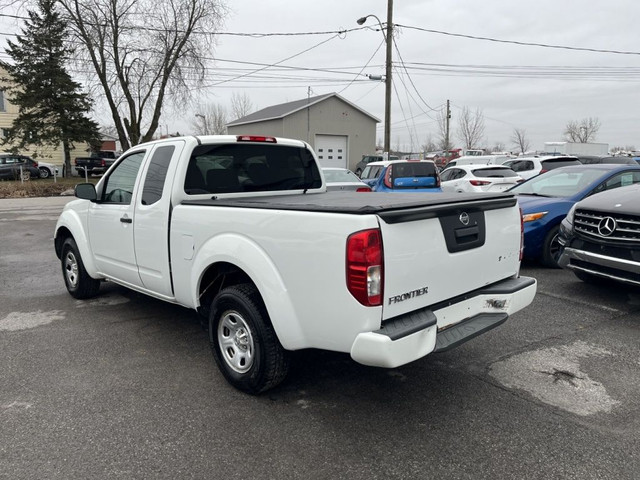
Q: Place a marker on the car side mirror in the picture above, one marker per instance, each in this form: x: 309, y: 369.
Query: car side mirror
x: 86, y: 191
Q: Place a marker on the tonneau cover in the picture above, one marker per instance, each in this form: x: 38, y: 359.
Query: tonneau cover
x: 392, y: 207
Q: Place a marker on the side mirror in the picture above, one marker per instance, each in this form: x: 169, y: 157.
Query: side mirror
x: 86, y: 191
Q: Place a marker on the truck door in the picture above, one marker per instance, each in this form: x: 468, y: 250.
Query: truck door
x: 110, y: 222
x: 153, y: 211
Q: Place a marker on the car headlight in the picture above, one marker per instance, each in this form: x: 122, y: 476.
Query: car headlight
x: 571, y: 214
x: 531, y: 217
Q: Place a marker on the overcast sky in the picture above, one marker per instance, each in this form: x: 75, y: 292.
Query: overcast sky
x: 538, y: 101
x: 560, y: 84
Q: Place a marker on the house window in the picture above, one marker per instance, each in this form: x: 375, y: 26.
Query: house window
x: 2, y: 107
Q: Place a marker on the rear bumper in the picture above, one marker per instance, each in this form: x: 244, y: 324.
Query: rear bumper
x: 443, y: 326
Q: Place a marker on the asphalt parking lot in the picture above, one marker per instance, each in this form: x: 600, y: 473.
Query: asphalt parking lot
x: 124, y: 386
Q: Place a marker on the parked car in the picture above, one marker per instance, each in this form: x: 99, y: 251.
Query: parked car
x: 402, y: 176
x: 478, y: 178
x: 529, y: 167
x: 546, y: 199
x: 600, y: 237
x: 367, y: 159
x: 477, y: 160
x: 343, y: 179
x: 10, y: 166
x: 591, y: 159
x: 47, y: 169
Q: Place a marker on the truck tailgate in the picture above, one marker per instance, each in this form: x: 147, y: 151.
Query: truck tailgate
x: 447, y: 250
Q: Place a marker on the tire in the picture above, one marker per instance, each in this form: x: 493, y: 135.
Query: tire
x: 588, y: 278
x: 551, y: 248
x: 44, y: 172
x: 243, y: 341
x: 78, y: 282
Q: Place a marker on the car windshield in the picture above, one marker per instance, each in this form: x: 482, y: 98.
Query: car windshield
x: 334, y: 176
x: 494, y: 172
x: 558, y: 183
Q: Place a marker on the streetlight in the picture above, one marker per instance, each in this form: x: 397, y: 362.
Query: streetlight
x: 204, y: 122
x: 388, y: 38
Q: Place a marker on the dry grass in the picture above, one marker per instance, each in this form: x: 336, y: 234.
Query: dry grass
x: 38, y: 188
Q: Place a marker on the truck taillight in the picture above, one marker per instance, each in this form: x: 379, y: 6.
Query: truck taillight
x: 365, y: 267
x: 255, y: 138
x: 521, y: 235
x: 479, y: 183
x: 387, y: 177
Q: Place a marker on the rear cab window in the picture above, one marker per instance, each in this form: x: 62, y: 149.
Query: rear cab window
x: 246, y: 167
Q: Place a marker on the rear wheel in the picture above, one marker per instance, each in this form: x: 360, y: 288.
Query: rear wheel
x: 44, y: 172
x: 358, y: 172
x: 243, y: 341
x: 78, y: 282
x: 551, y: 248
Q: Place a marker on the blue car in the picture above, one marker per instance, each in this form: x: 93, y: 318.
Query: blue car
x: 546, y: 199
x: 402, y: 176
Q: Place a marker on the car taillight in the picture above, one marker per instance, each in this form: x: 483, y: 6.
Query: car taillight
x: 363, y: 189
x: 543, y: 171
x: 387, y: 177
x: 479, y: 183
x: 365, y: 267
x: 103, y: 163
x: 255, y: 138
x: 35, y: 164
x: 521, y: 235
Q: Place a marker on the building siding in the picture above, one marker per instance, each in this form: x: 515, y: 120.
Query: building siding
x: 328, y: 117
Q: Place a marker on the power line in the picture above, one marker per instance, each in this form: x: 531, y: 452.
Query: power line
x: 365, y: 66
x: 515, y: 42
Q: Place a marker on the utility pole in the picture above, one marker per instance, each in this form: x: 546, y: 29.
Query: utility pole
x: 388, y: 85
x: 446, y: 138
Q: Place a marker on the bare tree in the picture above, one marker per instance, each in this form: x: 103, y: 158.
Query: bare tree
x: 241, y: 105
x: 429, y: 145
x: 470, y: 127
x: 144, y: 52
x: 210, y: 120
x: 444, y: 137
x: 520, y: 140
x: 583, y: 131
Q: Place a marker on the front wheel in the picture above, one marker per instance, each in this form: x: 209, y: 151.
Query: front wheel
x: 551, y: 248
x: 78, y: 282
x: 243, y: 341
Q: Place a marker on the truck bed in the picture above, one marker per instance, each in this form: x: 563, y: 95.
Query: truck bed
x: 391, y: 207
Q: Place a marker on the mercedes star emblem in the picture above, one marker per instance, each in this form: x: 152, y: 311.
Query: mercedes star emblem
x: 607, y: 226
x: 464, y: 218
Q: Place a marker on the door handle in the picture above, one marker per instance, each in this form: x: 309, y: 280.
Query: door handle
x: 126, y: 219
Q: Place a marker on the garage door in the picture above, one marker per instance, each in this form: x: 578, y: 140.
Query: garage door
x: 332, y: 150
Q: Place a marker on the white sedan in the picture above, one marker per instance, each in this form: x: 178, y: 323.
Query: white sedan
x: 343, y: 179
x: 478, y: 178
x: 47, y: 169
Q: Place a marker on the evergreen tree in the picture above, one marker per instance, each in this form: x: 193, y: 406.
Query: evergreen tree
x: 53, y: 109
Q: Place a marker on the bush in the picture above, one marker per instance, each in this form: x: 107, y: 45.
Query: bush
x: 38, y: 188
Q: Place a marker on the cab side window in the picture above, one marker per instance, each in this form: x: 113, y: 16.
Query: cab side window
x: 156, y: 175
x: 118, y: 187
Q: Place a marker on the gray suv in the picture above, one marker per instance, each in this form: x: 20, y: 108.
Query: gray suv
x: 367, y: 159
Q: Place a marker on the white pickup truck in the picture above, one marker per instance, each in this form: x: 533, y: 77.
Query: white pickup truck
x: 242, y: 230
